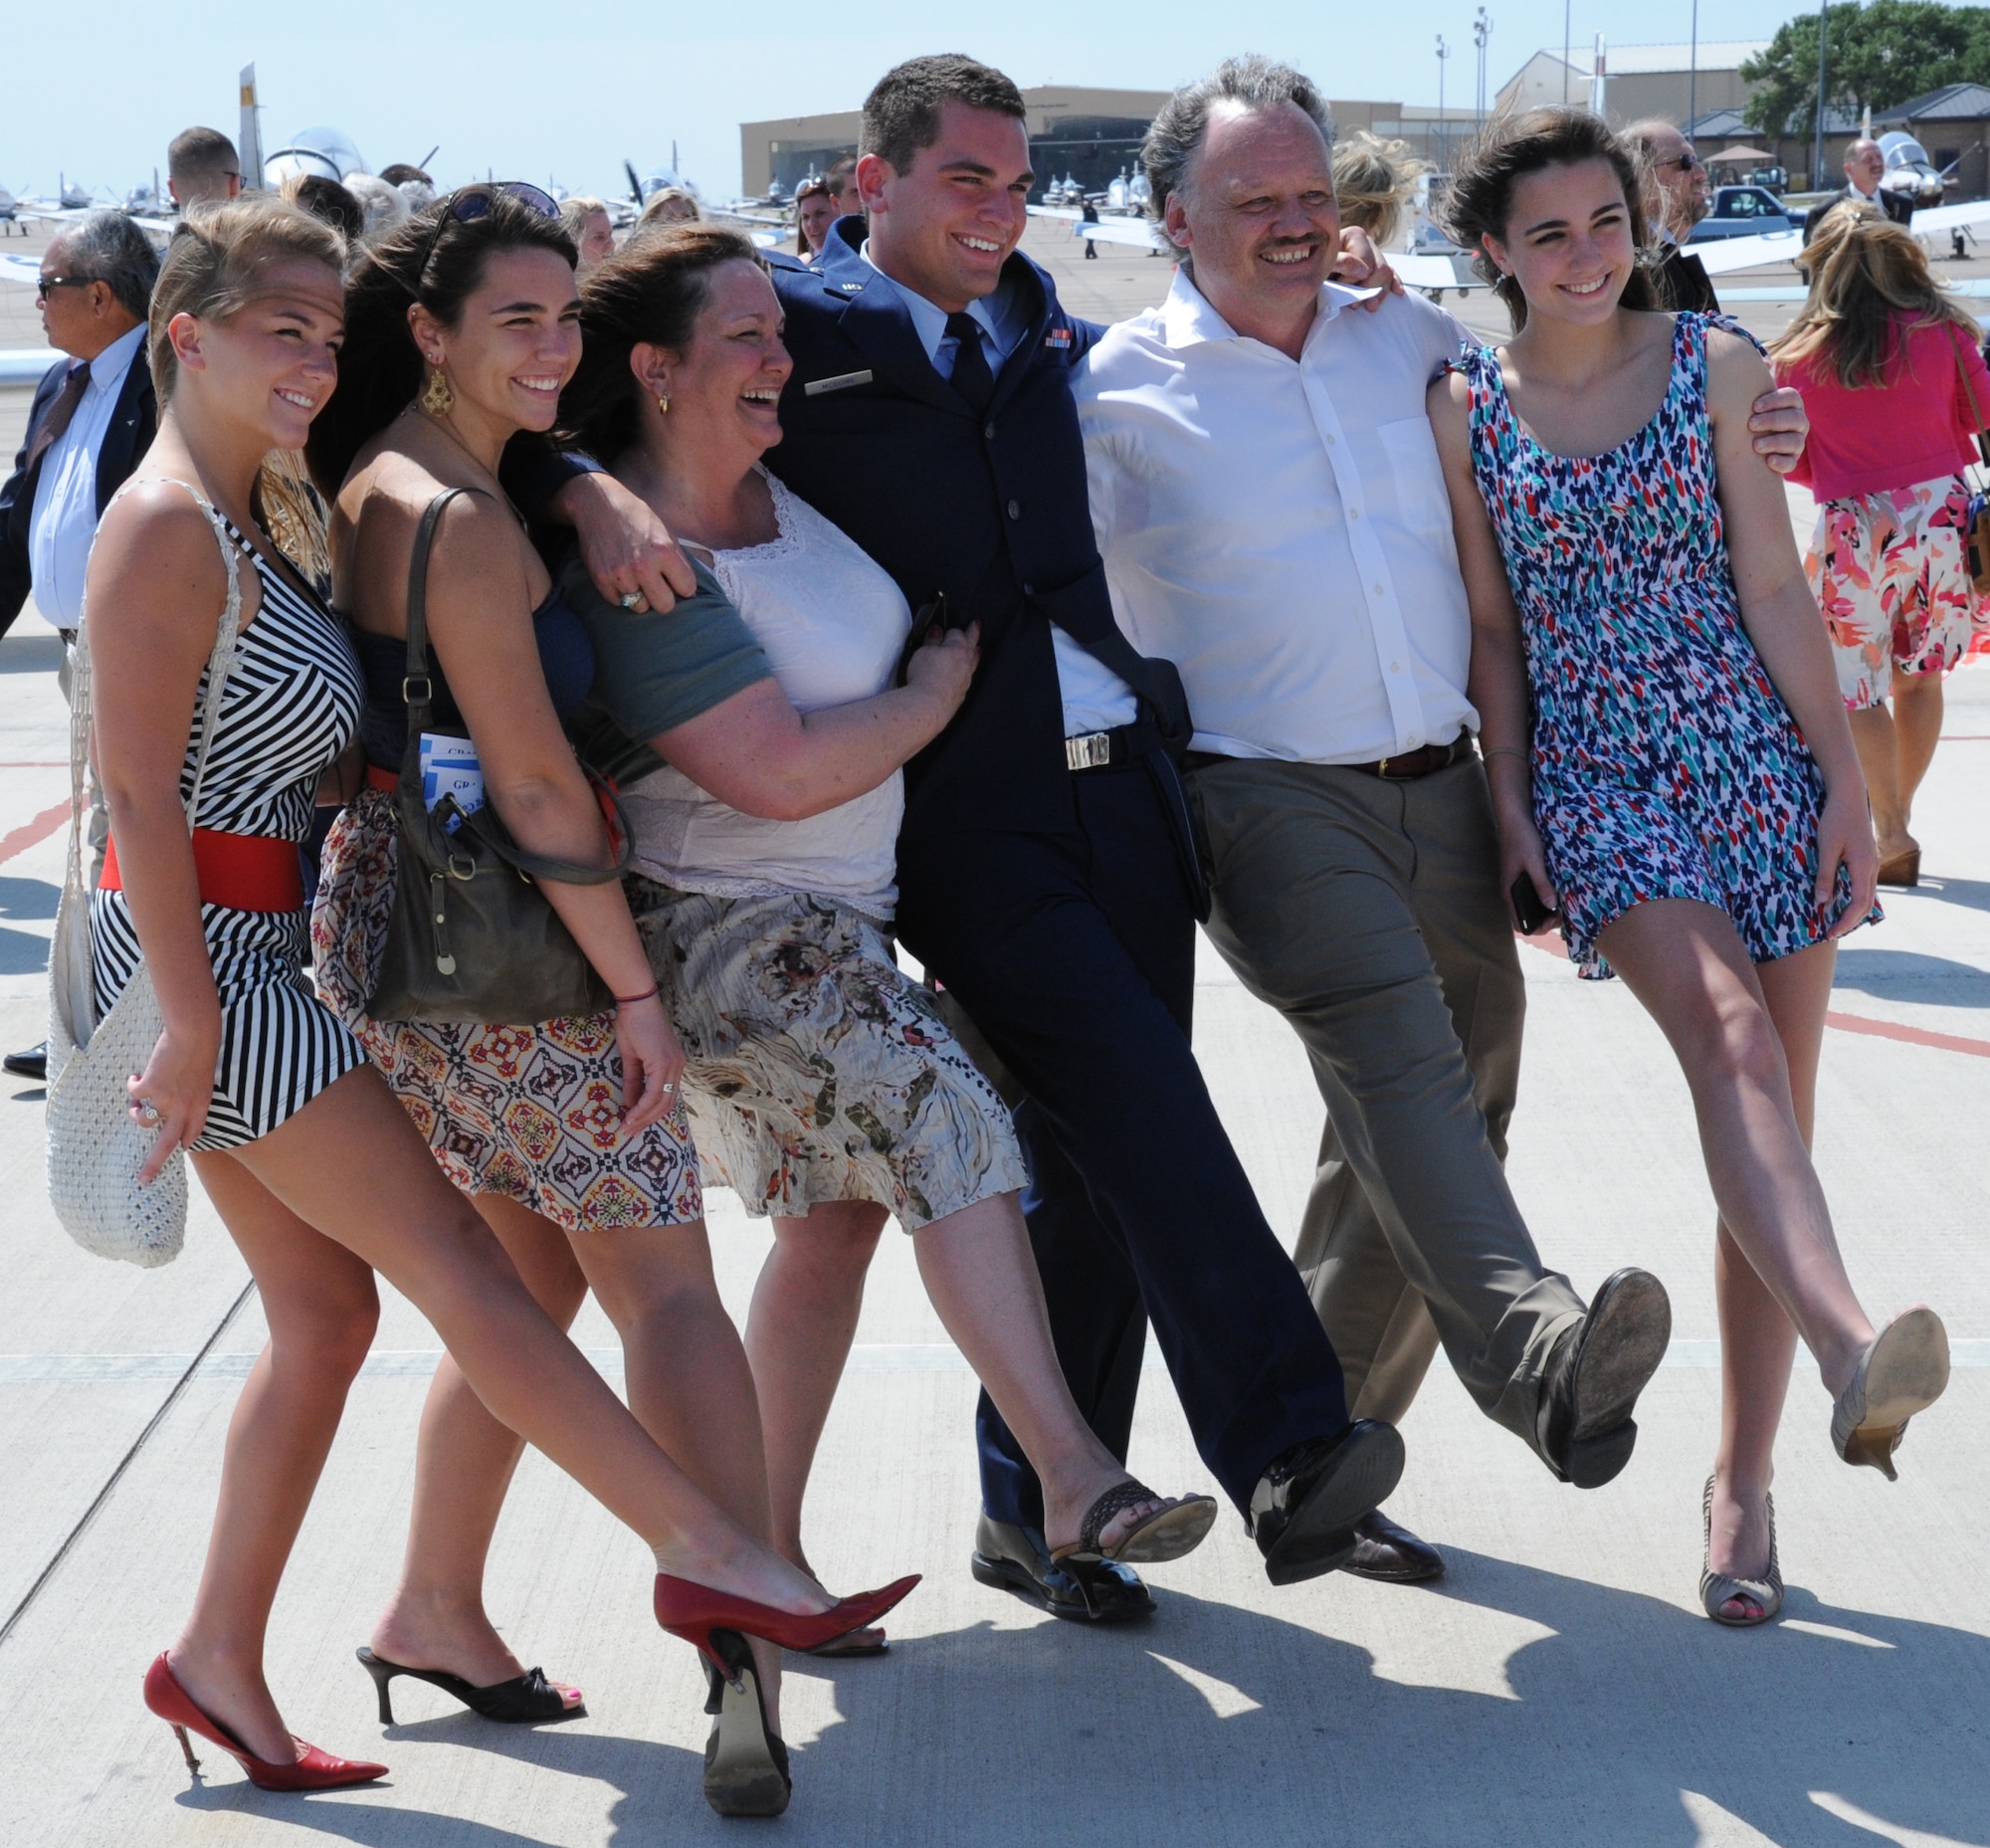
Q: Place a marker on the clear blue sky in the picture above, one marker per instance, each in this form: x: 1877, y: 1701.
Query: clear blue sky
x: 566, y: 90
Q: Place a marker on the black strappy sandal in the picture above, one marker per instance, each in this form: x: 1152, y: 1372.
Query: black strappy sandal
x: 1176, y: 1527
x: 746, y: 1765
x: 525, y: 1700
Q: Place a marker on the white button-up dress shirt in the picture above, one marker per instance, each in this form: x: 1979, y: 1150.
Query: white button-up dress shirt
x: 1279, y: 529
x: 62, y: 525
x: 1095, y: 698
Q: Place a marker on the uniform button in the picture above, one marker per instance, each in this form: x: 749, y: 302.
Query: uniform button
x: 1354, y: 512
x: 1395, y: 667
x: 989, y: 432
x: 1331, y: 438
x: 1015, y: 510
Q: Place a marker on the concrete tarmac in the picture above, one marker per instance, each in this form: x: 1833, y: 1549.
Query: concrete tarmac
x: 1558, y: 1687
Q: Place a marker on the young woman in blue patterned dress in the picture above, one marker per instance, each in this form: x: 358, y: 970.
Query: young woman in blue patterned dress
x: 1683, y: 790
x: 313, y: 1167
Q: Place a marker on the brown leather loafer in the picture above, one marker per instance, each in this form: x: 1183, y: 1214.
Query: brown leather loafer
x: 1391, y: 1554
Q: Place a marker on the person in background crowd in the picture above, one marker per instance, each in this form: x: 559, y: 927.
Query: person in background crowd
x: 414, y: 185
x: 1865, y: 168
x: 92, y: 417
x: 202, y: 168
x: 1088, y: 214
x: 314, y: 1169
x: 815, y: 212
x: 380, y: 201
x: 1890, y: 370
x: 670, y: 205
x: 589, y: 226
x: 843, y: 187
x: 1373, y: 183
x: 1678, y: 178
x: 329, y: 201
x: 1671, y: 770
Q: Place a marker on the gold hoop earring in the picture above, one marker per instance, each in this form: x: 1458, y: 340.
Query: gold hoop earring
x: 437, y: 398
x: 663, y: 405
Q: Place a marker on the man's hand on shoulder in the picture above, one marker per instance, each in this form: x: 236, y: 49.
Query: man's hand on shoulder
x: 1780, y: 427
x: 1361, y: 265
x: 1736, y: 373
x: 627, y: 550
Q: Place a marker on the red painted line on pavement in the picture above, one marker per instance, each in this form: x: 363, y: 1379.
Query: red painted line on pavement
x: 1550, y: 944
x: 31, y: 833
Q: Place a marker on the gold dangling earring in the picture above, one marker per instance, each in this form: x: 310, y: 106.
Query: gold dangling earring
x: 663, y: 405
x: 437, y: 398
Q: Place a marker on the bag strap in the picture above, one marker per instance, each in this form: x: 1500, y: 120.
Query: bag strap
x: 417, y: 670
x: 220, y: 664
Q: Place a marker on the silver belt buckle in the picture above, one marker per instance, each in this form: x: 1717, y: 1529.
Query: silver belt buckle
x: 1091, y: 752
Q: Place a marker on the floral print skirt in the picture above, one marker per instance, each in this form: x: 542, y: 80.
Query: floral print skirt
x: 533, y: 1113
x: 1890, y: 572
x: 818, y: 1070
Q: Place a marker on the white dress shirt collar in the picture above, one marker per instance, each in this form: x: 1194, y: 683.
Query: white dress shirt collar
x: 996, y: 314
x: 1187, y: 319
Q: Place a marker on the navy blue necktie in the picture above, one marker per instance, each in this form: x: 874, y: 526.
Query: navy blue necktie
x: 971, y: 376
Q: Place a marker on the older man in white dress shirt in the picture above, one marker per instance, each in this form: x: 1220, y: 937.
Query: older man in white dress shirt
x: 1273, y: 518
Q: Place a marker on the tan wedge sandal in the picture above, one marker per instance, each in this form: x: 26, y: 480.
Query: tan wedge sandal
x: 1719, y: 1589
x: 1903, y: 1370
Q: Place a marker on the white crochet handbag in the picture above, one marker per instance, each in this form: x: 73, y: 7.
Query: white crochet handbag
x: 95, y: 1147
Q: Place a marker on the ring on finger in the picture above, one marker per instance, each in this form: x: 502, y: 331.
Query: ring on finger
x: 148, y: 1112
x: 633, y: 600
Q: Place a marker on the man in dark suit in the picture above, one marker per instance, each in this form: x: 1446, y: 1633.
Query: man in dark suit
x: 1046, y: 876
x: 1681, y: 179
x: 92, y: 417
x: 1864, y: 167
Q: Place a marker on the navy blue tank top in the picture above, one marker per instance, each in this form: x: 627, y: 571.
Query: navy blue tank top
x: 566, y: 656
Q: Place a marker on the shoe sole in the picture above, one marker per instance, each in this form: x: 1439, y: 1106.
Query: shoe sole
x: 1320, y: 1534
x: 1908, y: 1372
x: 1006, y: 1576
x: 1167, y: 1537
x: 1630, y: 1328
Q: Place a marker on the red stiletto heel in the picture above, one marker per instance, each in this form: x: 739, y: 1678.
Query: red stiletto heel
x: 313, y: 1769
x: 694, y: 1611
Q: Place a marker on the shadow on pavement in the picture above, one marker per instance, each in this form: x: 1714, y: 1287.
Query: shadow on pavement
x: 1053, y: 1735
x: 1906, y: 975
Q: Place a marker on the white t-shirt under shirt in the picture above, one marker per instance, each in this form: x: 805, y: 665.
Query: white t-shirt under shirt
x: 833, y: 625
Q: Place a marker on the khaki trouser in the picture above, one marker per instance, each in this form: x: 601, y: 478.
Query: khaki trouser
x: 1368, y: 912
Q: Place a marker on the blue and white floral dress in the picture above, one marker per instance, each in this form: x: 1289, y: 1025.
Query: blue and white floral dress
x: 1665, y: 764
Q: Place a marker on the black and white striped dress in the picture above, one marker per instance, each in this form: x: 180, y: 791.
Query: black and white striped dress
x: 291, y: 706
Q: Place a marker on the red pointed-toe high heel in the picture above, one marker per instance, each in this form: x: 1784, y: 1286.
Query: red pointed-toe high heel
x: 694, y: 1611
x: 311, y: 1769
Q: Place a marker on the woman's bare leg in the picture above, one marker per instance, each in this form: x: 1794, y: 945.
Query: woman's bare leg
x: 323, y: 1310
x: 463, y: 1471
x: 351, y: 1165
x: 1877, y: 739
x: 1757, y: 1340
x: 1685, y: 964
x: 687, y: 1379
x: 1917, y: 711
x: 798, y: 1335
x: 982, y: 1277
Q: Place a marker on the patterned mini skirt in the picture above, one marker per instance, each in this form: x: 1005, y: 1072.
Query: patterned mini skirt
x: 532, y: 1112
x: 818, y: 1070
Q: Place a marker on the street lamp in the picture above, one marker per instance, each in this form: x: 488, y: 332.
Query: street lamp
x: 1817, y: 128
x: 1444, y: 139
x: 1482, y: 31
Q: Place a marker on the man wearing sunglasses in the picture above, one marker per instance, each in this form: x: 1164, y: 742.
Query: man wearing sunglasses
x: 1665, y: 153
x: 92, y: 417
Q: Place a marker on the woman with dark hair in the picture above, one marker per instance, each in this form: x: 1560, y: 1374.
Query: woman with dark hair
x: 759, y: 730
x: 313, y: 1169
x: 1685, y: 789
x: 815, y: 212
x: 1888, y: 364
x: 462, y: 328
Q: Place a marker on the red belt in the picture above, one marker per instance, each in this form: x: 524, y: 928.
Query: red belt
x: 243, y: 872
x: 386, y: 781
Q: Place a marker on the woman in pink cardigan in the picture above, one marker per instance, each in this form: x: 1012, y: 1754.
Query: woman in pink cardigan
x: 1887, y: 364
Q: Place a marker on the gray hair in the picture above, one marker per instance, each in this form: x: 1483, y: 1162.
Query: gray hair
x: 1255, y: 81
x: 383, y: 206
x: 109, y: 247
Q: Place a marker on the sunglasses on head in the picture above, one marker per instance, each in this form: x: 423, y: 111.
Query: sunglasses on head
x: 470, y: 203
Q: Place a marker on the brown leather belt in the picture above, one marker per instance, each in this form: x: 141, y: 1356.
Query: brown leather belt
x: 1411, y: 764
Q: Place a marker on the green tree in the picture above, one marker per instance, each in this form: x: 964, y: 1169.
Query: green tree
x: 1875, y: 56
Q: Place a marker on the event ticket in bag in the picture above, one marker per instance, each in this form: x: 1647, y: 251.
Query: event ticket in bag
x: 450, y: 768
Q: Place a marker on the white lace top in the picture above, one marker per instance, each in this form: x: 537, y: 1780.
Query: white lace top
x: 832, y: 625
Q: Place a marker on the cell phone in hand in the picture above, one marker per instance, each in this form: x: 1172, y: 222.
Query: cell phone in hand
x: 1533, y: 915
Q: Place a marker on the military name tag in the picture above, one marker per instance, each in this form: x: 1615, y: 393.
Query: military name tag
x: 840, y: 382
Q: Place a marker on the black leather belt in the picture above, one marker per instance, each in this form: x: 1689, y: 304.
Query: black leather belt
x: 1108, y: 750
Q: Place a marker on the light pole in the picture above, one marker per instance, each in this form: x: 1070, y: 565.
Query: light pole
x: 1482, y: 31
x: 1567, y: 45
x: 1692, y: 75
x: 1816, y: 126
x: 1444, y: 141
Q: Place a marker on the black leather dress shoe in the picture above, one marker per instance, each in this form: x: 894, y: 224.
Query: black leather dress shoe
x: 1391, y: 1554
x: 34, y: 1062
x: 1597, y: 1372
x: 1306, y: 1505
x: 1017, y: 1559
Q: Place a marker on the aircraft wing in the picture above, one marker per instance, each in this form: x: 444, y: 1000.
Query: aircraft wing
x: 1055, y: 211
x: 1141, y: 233
x: 23, y: 270
x: 1950, y: 217
x: 25, y: 365
x: 1432, y: 269
x: 1720, y: 254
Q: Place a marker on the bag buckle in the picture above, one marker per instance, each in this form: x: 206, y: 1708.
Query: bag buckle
x: 410, y: 697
